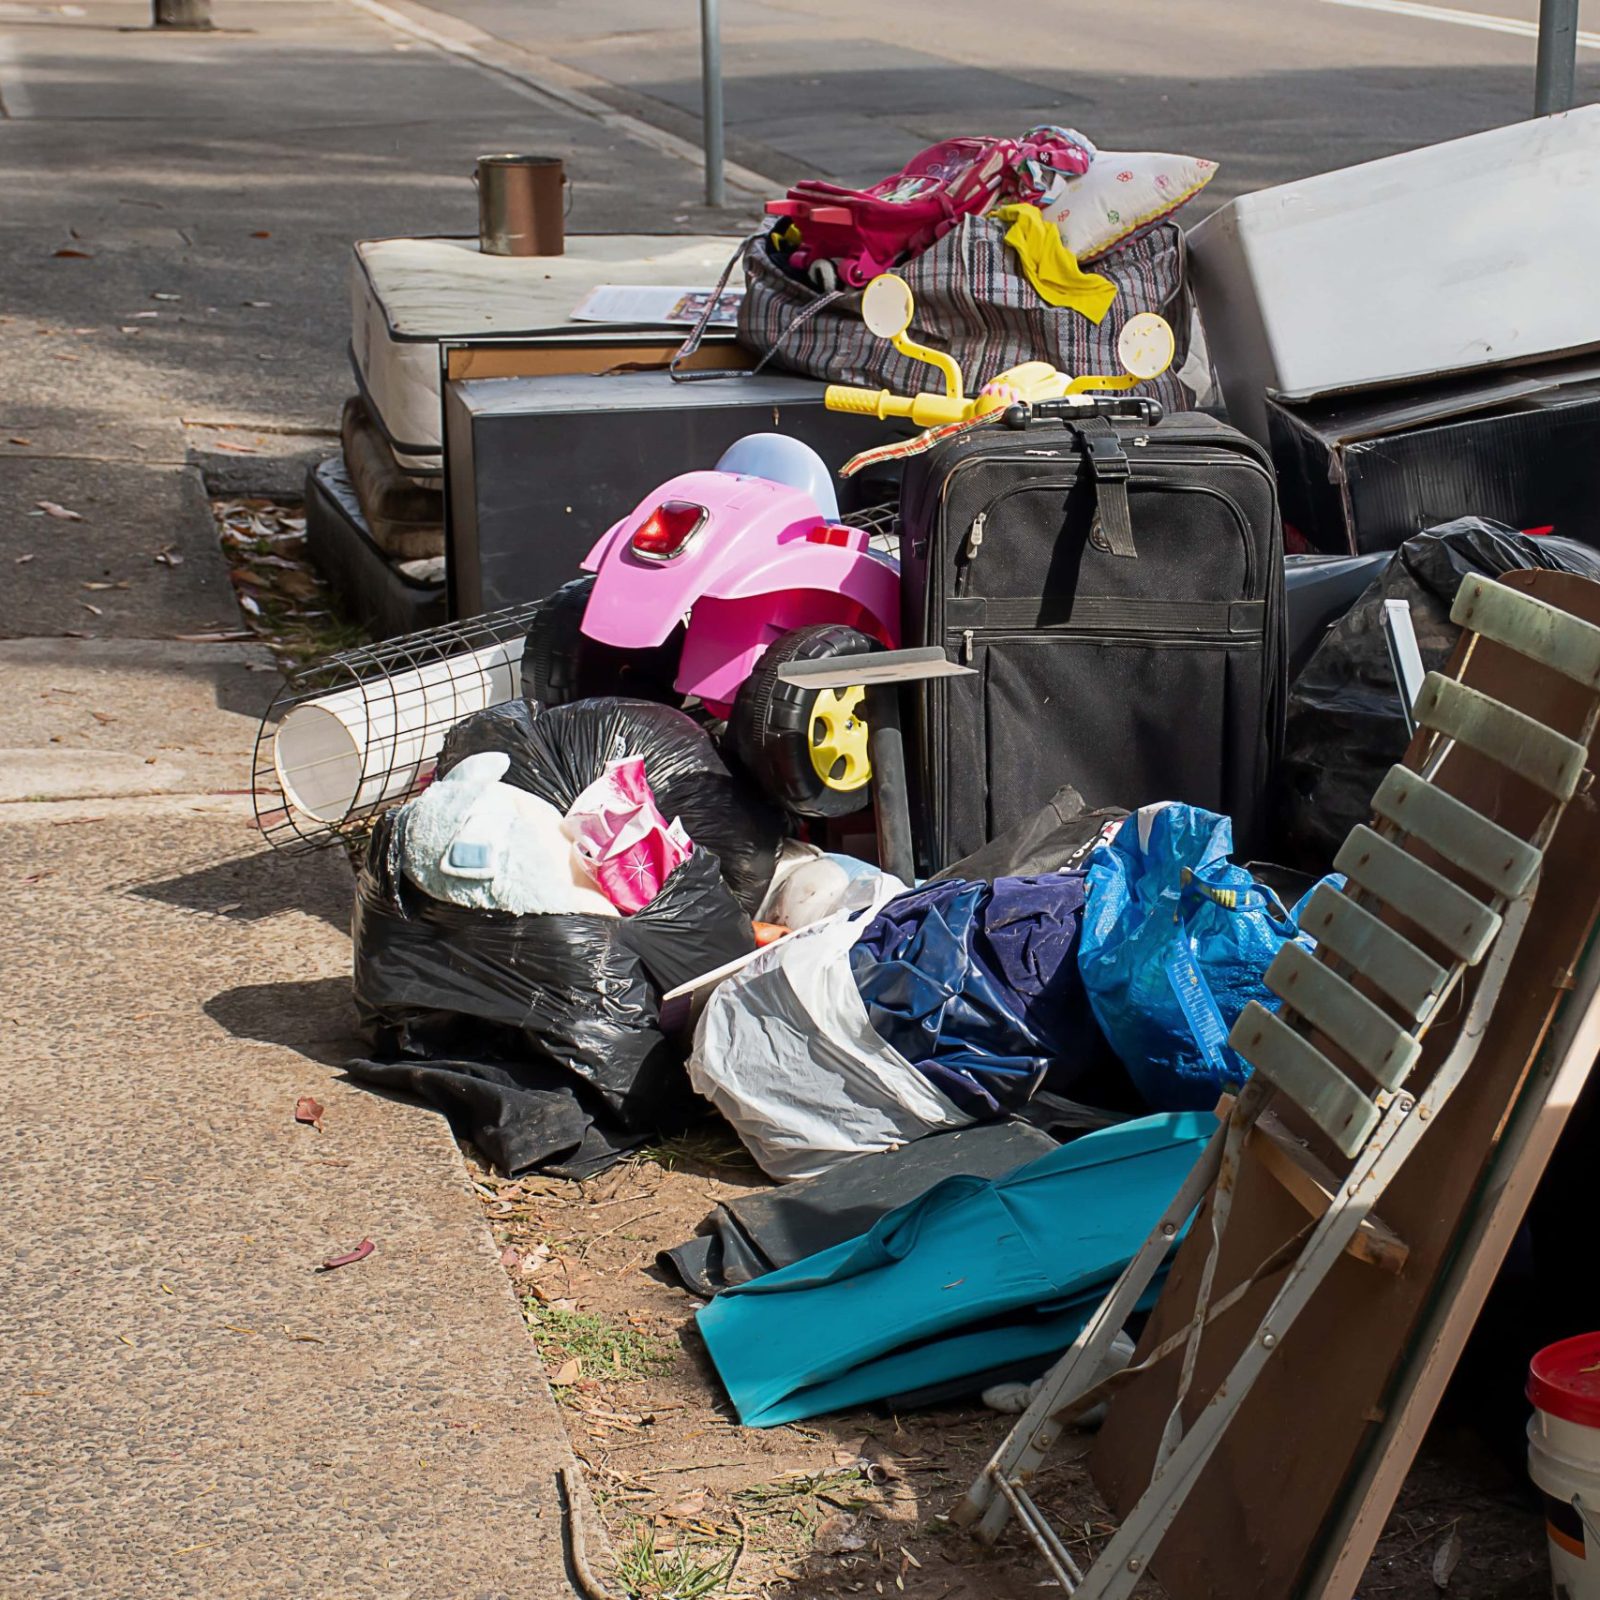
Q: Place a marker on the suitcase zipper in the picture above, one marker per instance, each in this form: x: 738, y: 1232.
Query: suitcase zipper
x: 978, y: 530
x: 972, y: 637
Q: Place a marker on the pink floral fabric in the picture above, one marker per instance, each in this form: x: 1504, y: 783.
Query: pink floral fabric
x: 621, y: 837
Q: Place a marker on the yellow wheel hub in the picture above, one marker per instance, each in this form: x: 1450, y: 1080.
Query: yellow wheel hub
x: 838, y: 738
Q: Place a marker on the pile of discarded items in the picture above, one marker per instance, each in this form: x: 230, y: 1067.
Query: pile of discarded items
x: 1080, y: 884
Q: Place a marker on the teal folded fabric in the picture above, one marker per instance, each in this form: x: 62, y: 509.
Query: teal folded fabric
x: 975, y: 1273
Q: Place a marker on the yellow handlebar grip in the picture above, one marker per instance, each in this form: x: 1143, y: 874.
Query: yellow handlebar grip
x: 858, y: 402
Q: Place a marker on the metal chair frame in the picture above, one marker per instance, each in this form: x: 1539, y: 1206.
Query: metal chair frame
x: 1376, y: 1129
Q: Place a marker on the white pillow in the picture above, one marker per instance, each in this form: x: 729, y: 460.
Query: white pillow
x: 1121, y: 193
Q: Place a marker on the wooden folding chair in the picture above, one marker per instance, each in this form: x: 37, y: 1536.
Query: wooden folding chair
x: 1393, y: 948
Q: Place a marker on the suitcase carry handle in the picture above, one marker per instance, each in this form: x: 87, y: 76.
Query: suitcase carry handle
x: 1114, y: 407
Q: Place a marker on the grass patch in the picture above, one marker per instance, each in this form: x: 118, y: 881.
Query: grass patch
x: 706, y: 1151
x: 799, y: 1499
x: 601, y: 1348
x: 649, y: 1573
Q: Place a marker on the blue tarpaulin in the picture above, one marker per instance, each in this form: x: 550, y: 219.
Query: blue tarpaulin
x: 974, y: 1274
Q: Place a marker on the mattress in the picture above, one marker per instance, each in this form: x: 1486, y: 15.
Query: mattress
x: 408, y: 295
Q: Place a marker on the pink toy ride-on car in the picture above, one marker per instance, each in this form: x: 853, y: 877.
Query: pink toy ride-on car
x: 710, y: 585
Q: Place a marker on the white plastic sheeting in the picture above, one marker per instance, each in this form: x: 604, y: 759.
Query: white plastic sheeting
x: 785, y: 1051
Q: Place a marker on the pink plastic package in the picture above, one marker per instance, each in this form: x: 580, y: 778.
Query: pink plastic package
x: 620, y: 836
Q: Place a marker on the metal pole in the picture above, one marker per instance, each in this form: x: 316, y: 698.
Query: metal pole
x: 890, y: 799
x: 191, y: 14
x: 711, y: 97
x: 1558, y: 51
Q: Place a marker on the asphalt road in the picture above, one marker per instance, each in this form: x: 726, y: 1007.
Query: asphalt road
x: 1273, y: 89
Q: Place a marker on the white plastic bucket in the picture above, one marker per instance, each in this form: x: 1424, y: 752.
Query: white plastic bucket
x: 354, y: 750
x: 1564, y: 1460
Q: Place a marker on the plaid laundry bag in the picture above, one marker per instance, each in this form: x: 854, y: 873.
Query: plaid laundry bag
x: 972, y: 300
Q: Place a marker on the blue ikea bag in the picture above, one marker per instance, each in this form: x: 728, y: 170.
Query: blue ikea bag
x: 1176, y: 941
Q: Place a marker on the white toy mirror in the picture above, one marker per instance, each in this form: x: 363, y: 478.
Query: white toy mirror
x: 886, y: 306
x: 1146, y: 345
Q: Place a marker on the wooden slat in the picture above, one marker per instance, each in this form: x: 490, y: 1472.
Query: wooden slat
x: 1464, y: 926
x: 1544, y: 757
x: 1461, y: 835
x: 1373, y: 1039
x: 1554, y: 638
x: 1308, y: 1077
x: 1313, y: 1185
x: 1410, y: 978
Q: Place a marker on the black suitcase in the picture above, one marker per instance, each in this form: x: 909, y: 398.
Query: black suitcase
x: 1118, y: 588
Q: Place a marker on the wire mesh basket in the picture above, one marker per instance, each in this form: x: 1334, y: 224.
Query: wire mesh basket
x: 358, y: 733
x: 348, y: 738
x: 882, y: 524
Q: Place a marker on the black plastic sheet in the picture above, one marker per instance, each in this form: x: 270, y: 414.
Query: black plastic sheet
x: 757, y: 1233
x: 1345, y: 725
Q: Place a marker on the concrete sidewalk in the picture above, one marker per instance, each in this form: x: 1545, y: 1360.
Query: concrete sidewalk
x: 188, y: 1406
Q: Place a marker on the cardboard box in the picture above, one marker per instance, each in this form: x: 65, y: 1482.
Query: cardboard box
x: 1474, y: 253
x: 1365, y: 472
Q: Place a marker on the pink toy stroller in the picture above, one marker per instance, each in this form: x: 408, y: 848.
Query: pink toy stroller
x: 848, y: 236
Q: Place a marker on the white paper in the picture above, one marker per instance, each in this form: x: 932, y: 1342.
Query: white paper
x: 621, y: 302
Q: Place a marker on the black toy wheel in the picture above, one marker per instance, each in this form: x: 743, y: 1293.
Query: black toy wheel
x: 806, y: 747
x: 560, y: 664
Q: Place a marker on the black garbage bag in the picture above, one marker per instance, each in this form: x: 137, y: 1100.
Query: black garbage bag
x: 1060, y: 835
x: 557, y: 752
x: 1345, y: 725
x: 538, y: 1035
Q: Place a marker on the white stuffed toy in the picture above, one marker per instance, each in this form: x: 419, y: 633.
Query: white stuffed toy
x: 475, y: 841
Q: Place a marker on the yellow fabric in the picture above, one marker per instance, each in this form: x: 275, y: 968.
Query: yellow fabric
x: 1051, y: 267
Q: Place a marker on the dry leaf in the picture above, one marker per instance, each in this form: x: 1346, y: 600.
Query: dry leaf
x: 52, y: 508
x: 262, y: 233
x: 1445, y: 1559
x: 838, y: 1535
x: 102, y: 717
x: 22, y: 560
x: 294, y: 583
x: 688, y: 1508
x: 91, y: 608
x: 240, y: 449
x: 350, y: 1257
x: 307, y: 1110
x: 159, y: 295
x: 509, y: 1257
x: 18, y: 439
x: 567, y: 1373
x: 169, y: 557
x: 259, y: 304
x: 74, y: 255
